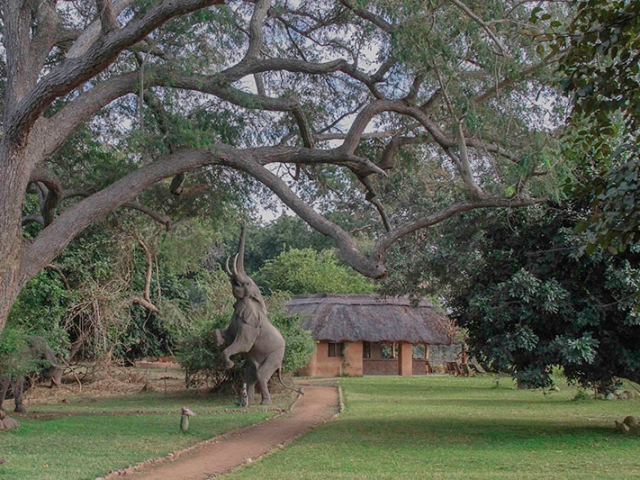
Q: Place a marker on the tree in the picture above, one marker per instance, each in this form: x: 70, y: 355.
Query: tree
x: 532, y: 299
x: 270, y: 240
x: 601, y: 74
x: 317, y: 96
x: 306, y: 271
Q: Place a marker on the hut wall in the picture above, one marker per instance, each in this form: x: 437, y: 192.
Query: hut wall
x: 353, y: 359
x: 352, y: 364
x: 389, y: 366
x: 380, y: 366
x: 322, y: 365
x: 405, y: 359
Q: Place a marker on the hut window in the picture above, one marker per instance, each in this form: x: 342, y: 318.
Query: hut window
x: 336, y: 349
x: 366, y: 350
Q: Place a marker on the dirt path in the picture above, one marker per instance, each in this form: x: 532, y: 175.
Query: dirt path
x: 226, y: 452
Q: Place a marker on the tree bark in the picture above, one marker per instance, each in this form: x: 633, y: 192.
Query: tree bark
x: 14, y: 178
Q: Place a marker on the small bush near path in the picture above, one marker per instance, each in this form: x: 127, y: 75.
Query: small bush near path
x: 446, y: 428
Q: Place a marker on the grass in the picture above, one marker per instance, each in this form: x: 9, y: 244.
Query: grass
x: 447, y: 427
x: 90, y: 436
x: 419, y: 427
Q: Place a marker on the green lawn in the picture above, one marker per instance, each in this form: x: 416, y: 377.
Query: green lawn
x: 447, y: 427
x: 88, y: 437
x: 420, y: 427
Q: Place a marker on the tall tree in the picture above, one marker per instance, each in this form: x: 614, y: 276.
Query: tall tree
x: 301, y: 272
x: 602, y: 75
x: 327, y: 96
x: 532, y: 299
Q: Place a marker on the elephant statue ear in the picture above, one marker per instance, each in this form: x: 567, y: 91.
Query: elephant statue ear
x: 252, y: 313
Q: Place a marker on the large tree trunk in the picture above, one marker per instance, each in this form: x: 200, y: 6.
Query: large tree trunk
x: 14, y: 177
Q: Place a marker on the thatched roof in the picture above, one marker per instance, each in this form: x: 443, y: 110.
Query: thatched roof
x: 370, y: 318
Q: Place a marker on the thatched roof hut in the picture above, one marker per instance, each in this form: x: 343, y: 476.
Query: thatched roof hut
x: 370, y: 318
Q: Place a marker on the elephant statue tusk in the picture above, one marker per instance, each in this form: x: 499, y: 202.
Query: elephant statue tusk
x: 235, y: 265
x: 241, y: 252
x: 226, y: 267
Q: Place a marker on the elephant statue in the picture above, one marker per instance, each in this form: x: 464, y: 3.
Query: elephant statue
x: 250, y: 332
x: 38, y: 353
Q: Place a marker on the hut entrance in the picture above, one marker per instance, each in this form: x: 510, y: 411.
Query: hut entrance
x: 386, y: 358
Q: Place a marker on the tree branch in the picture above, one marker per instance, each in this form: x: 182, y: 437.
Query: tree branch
x: 506, y: 82
x: 162, y: 219
x: 108, y: 14
x: 407, y: 228
x: 255, y: 29
x: 50, y: 193
x: 484, y: 26
x: 71, y: 73
x: 91, y: 33
x: 146, y: 301
x: 369, y: 16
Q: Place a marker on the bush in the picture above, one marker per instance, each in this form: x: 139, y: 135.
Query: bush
x: 199, y: 355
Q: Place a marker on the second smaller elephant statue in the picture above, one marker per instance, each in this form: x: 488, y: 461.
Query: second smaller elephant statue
x: 37, y: 352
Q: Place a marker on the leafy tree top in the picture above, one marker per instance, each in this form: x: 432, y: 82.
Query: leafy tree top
x: 306, y: 271
x: 318, y: 102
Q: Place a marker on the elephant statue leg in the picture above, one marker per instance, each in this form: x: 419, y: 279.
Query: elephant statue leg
x: 219, y: 334
x: 243, y: 342
x: 18, y: 389
x: 264, y: 390
x: 265, y: 371
x: 250, y: 378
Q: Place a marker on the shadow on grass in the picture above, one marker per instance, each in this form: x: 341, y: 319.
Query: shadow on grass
x: 154, y: 403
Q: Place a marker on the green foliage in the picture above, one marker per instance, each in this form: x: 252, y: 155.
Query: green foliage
x: 538, y: 302
x: 300, y: 345
x: 601, y: 74
x: 307, y: 271
x: 199, y: 355
x: 286, y: 232
x: 615, y: 220
x: 42, y: 307
x: 21, y: 354
x: 603, y: 62
x: 529, y: 295
x: 12, y: 341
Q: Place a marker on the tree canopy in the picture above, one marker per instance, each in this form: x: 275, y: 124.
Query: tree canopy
x: 299, y: 272
x: 531, y: 298
x: 601, y: 73
x: 412, y: 111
